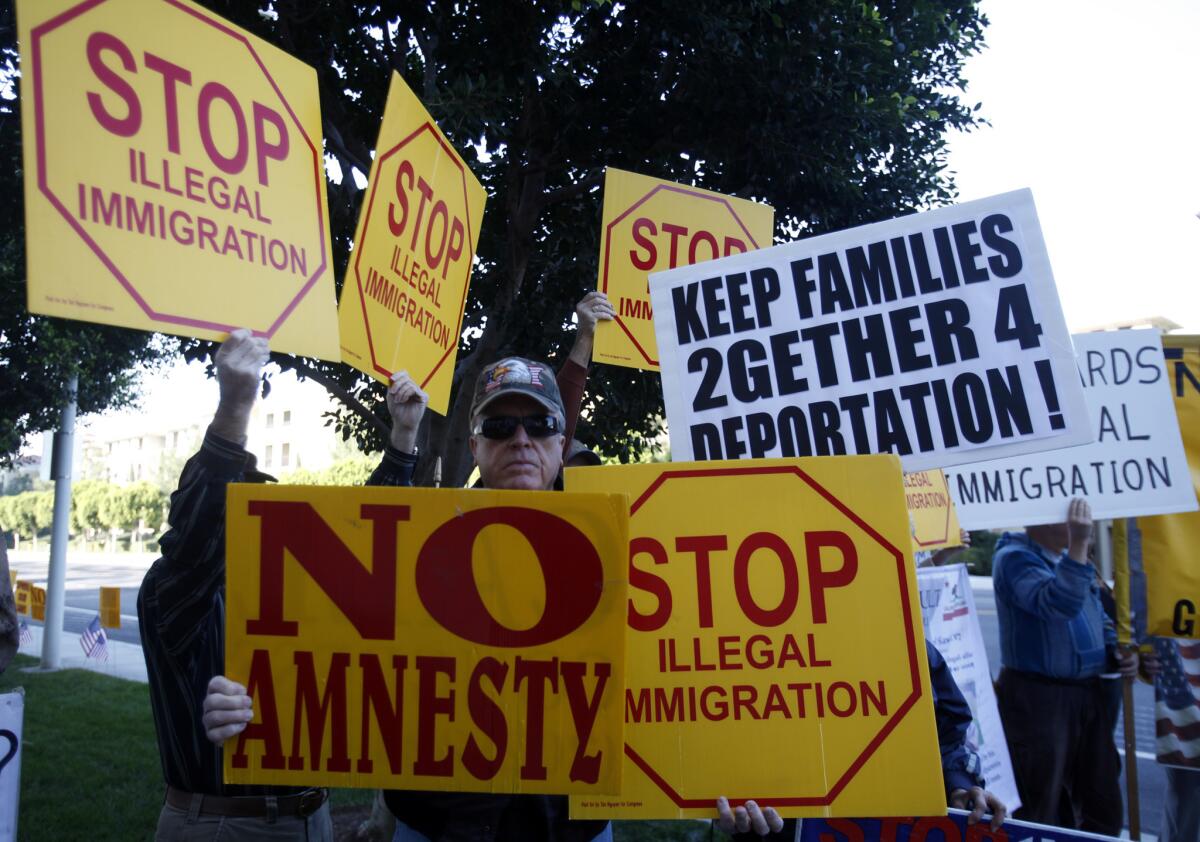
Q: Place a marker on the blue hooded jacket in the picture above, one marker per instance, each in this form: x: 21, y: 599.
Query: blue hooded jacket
x: 1051, y: 619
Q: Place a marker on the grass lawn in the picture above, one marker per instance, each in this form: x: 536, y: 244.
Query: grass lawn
x: 90, y: 769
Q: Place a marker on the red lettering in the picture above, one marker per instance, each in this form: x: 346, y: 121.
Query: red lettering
x: 702, y: 237
x: 489, y: 717
x: 331, y: 706
x: 741, y: 579
x: 537, y: 674
x: 646, y: 581
x: 676, y: 231
x: 701, y: 546
x: 210, y: 93
x: 944, y: 825
x: 172, y: 75
x: 397, y: 225
x: 429, y: 706
x: 734, y: 246
x: 98, y: 43
x: 818, y: 579
x: 263, y: 150
x: 260, y: 687
x: 848, y: 828
x: 366, y: 598
x: 584, y: 767
x: 640, y: 225
x: 727, y: 648
x: 455, y: 249
x: 571, y: 568
x: 390, y: 717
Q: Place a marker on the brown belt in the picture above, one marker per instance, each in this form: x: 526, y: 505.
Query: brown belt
x: 302, y: 804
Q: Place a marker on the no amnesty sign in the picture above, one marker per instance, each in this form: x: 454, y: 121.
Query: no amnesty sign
x: 441, y: 639
x: 775, y: 648
x: 174, y: 179
x: 406, y: 284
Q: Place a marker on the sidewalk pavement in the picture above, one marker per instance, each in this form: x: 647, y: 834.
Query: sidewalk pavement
x: 124, y: 659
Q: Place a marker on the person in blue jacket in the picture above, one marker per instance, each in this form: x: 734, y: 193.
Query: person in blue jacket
x: 1055, y: 642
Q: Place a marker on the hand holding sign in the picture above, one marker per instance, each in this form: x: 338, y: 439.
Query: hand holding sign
x: 406, y: 403
x: 227, y: 709
x: 748, y: 818
x: 1079, y: 528
x: 239, y: 362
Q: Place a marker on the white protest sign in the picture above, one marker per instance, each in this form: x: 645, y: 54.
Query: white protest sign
x: 1136, y: 466
x: 952, y: 625
x: 936, y: 336
x: 12, y: 711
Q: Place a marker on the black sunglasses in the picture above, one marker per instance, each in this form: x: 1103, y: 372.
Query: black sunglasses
x: 500, y: 427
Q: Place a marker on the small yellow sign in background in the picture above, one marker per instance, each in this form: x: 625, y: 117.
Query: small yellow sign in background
x: 174, y: 176
x: 23, y: 596
x: 776, y: 649
x: 1170, y: 542
x: 931, y: 508
x: 406, y: 284
x: 441, y: 639
x: 650, y: 225
x: 110, y: 607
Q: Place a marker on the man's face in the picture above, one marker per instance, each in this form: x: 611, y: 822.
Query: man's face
x: 518, y: 462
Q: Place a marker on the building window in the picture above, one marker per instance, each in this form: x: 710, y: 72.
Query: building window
x: 270, y: 420
x: 287, y: 417
x: 284, y: 452
x: 270, y: 450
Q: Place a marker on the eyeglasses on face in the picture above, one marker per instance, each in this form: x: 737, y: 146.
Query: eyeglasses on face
x: 500, y: 427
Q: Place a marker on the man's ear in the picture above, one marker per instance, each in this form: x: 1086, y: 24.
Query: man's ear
x: 471, y: 443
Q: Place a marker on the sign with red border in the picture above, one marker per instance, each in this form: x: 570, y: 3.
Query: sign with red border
x: 174, y: 175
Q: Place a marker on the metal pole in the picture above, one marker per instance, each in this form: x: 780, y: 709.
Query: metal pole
x: 60, y: 470
x: 1131, y: 767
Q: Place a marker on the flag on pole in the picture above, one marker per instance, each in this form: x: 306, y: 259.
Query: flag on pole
x: 94, y: 641
x: 1177, y: 702
x: 26, y: 634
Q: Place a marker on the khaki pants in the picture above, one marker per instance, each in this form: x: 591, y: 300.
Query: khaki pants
x: 176, y: 825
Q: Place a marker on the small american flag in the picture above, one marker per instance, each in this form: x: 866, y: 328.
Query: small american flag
x: 1177, y: 702
x: 93, y: 641
x: 26, y: 634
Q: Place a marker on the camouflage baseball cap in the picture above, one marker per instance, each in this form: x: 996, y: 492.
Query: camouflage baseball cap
x: 518, y: 376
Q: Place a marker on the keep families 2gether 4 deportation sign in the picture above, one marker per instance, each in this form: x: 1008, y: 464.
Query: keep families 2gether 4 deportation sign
x: 775, y: 649
x: 174, y: 179
x: 936, y: 336
x: 406, y: 283
x: 650, y: 225
x: 437, y: 639
x: 1136, y: 466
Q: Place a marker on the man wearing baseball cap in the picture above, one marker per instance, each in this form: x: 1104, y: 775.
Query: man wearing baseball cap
x: 517, y: 423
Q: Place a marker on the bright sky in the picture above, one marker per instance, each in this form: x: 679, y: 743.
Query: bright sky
x: 1094, y: 106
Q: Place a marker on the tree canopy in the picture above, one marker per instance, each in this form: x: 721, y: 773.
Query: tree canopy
x: 835, y: 112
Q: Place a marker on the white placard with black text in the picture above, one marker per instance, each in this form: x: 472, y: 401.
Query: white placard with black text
x: 12, y: 712
x: 936, y: 336
x: 1135, y: 467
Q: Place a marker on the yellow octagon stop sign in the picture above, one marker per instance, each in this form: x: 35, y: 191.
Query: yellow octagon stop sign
x: 174, y: 177
x: 775, y: 646
x: 651, y: 225
x: 406, y: 285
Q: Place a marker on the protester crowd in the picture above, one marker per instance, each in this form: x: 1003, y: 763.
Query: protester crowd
x: 1055, y: 689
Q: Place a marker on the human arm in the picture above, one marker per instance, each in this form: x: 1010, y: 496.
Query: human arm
x: 406, y: 403
x: 572, y: 377
x: 192, y: 566
x: 980, y: 802
x: 1051, y: 592
x: 227, y: 709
